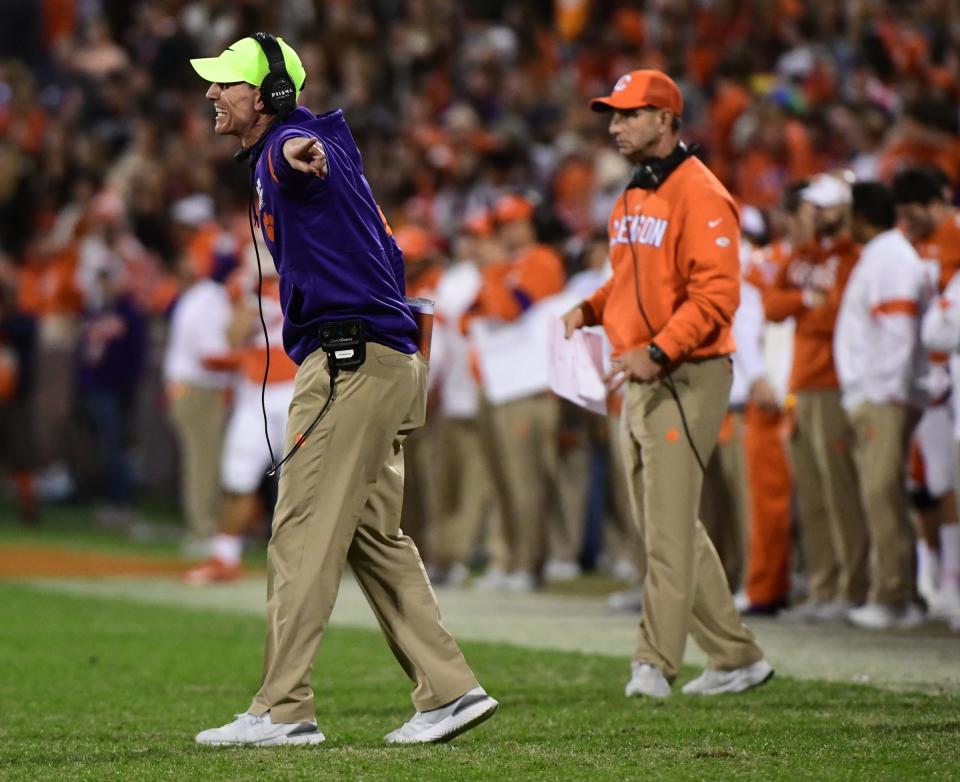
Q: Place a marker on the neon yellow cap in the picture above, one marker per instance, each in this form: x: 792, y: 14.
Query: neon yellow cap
x: 245, y: 61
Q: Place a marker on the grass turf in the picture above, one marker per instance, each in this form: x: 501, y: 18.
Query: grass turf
x: 97, y: 690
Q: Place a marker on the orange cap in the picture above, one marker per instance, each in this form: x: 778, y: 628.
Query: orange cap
x: 511, y: 208
x: 639, y: 89
x: 416, y: 243
x: 478, y: 223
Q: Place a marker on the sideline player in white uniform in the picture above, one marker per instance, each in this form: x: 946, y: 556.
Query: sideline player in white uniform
x: 245, y: 456
x: 881, y: 363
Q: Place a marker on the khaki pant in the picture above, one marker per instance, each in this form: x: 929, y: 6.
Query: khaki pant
x: 340, y: 498
x: 199, y: 416
x: 465, y: 491
x: 621, y: 536
x: 882, y: 447
x: 568, y: 514
x: 685, y: 589
x: 522, y: 456
x: 830, y: 515
x: 419, y: 496
x: 723, y: 505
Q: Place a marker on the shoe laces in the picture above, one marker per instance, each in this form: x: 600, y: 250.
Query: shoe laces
x: 250, y: 719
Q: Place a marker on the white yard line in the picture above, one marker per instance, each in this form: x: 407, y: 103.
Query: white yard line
x: 927, y: 659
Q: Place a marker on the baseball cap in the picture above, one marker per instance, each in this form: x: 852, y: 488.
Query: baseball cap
x: 640, y: 89
x: 826, y: 190
x: 245, y: 61
x: 416, y: 243
x: 510, y: 208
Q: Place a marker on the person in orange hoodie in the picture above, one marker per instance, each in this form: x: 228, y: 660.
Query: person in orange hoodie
x: 808, y: 288
x: 668, y: 310
x: 520, y: 433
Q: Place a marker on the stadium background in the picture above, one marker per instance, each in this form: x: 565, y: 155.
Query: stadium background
x: 107, y: 151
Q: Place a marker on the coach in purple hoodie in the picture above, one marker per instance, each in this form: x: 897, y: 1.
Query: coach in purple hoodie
x: 341, y: 492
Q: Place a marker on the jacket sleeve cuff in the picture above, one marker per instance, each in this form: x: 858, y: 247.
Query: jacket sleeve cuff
x: 590, y: 315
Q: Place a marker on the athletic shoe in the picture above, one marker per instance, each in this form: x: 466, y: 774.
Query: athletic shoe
x: 213, y: 571
x: 764, y: 609
x: 626, y: 601
x: 646, y: 679
x: 833, y: 612
x: 558, y: 570
x: 740, y: 600
x: 880, y: 616
x: 805, y: 613
x: 493, y: 580
x: 945, y: 605
x: 250, y: 730
x: 738, y: 680
x: 447, y: 722
x: 520, y: 581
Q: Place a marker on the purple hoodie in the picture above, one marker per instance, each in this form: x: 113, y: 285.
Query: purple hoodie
x: 335, y: 254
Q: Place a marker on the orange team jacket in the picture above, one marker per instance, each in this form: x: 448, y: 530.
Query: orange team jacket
x: 508, y: 289
x: 825, y: 268
x: 684, y: 239
x: 943, y: 246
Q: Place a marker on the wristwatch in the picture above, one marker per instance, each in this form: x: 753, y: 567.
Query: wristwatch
x: 658, y: 356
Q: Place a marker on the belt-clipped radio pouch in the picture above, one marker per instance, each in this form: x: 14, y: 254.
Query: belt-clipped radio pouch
x: 344, y: 343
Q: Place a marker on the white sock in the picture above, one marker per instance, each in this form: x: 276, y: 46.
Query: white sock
x: 928, y: 560
x: 950, y: 557
x: 228, y: 548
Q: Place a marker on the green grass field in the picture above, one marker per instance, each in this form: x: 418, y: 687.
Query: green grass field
x: 104, y: 689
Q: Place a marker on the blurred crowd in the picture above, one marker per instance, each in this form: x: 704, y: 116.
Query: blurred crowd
x: 117, y: 200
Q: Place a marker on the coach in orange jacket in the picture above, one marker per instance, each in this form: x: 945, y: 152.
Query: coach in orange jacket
x: 668, y: 309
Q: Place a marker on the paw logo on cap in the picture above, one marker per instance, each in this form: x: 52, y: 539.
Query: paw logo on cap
x: 622, y: 83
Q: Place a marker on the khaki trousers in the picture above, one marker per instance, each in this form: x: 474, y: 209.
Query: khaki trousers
x: 199, y: 417
x: 829, y: 512
x: 685, y: 589
x: 723, y: 505
x: 419, y: 497
x: 339, y: 501
x: 465, y: 491
x: 568, y: 514
x: 621, y: 536
x: 882, y: 446
x: 522, y: 458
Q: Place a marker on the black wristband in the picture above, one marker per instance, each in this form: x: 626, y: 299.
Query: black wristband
x: 658, y: 356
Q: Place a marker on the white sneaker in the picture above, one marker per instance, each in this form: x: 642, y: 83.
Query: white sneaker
x: 623, y: 569
x: 805, y: 613
x: 520, y: 581
x: 646, y: 679
x: 879, y: 616
x: 944, y: 605
x: 558, y: 570
x: 738, y: 680
x: 833, y: 612
x: 443, y: 724
x: 740, y: 600
x: 627, y: 600
x: 250, y: 730
x: 493, y: 580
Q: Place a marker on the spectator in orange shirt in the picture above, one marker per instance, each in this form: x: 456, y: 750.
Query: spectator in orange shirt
x: 522, y: 432
x: 832, y: 527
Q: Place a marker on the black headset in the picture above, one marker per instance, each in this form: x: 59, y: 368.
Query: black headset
x: 278, y: 92
x: 652, y: 172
